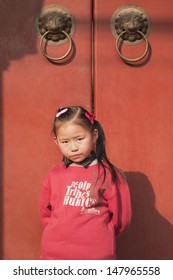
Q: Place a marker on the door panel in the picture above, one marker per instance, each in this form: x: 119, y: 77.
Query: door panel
x: 134, y: 104
x: 32, y: 89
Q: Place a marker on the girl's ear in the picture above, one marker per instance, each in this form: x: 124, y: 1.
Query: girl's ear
x: 55, y: 140
x: 95, y: 136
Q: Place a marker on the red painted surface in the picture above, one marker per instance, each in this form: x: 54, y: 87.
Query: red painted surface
x: 134, y: 105
x: 33, y: 89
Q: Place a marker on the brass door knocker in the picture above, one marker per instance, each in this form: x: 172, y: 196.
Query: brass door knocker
x: 55, y: 26
x: 130, y: 25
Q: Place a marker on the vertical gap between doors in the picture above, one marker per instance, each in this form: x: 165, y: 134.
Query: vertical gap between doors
x: 92, y: 58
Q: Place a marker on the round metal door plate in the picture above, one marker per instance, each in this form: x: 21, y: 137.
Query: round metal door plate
x: 130, y: 18
x: 55, y: 19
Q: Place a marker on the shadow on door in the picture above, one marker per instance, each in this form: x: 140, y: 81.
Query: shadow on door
x: 17, y: 39
x: 150, y: 235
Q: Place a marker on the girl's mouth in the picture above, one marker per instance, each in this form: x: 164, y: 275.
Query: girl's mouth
x: 75, y: 157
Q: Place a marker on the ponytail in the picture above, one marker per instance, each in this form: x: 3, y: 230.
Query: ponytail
x: 101, y: 152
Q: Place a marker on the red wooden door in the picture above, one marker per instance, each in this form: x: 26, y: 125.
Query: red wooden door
x: 32, y: 89
x: 134, y: 105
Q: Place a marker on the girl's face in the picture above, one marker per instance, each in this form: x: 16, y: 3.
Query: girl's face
x: 75, y: 142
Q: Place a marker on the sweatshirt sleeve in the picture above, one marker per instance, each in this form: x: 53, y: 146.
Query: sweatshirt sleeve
x: 124, y: 204
x: 111, y: 196
x: 45, y: 204
x: 119, y: 203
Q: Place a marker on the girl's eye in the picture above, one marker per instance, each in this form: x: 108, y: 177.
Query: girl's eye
x: 64, y: 142
x: 79, y: 139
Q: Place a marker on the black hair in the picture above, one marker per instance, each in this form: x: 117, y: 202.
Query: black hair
x: 81, y: 116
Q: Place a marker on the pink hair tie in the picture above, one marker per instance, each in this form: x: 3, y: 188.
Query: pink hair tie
x: 61, y: 112
x: 90, y: 117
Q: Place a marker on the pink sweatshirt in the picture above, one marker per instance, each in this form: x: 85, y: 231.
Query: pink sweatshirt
x: 81, y: 215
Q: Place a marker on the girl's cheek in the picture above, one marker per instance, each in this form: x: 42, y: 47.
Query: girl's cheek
x: 62, y: 148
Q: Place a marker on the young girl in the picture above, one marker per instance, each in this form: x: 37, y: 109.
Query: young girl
x: 85, y: 201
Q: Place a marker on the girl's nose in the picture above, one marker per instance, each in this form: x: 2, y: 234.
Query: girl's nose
x: 74, y: 147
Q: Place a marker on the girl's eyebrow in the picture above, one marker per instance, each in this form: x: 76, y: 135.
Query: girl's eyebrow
x: 80, y: 136
x: 62, y: 139
x: 76, y: 136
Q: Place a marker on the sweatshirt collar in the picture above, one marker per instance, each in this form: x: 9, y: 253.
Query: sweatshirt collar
x: 85, y: 163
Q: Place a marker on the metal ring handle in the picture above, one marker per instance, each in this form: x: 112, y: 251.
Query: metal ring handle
x: 132, y: 59
x: 54, y: 59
